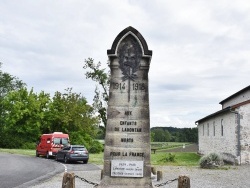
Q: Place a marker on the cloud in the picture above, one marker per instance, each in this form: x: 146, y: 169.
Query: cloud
x: 201, y: 49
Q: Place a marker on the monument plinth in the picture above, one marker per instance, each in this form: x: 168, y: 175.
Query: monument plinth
x: 127, y: 142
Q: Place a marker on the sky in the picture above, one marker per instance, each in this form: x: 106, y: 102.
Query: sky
x: 201, y: 49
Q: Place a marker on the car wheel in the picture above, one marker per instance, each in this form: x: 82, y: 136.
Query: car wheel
x: 37, y: 155
x: 47, y: 155
x: 85, y: 161
x: 56, y: 158
x: 65, y: 159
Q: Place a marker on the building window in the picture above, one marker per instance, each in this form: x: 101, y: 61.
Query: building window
x: 208, y: 129
x: 214, y: 127
x: 203, y: 129
x: 222, y: 127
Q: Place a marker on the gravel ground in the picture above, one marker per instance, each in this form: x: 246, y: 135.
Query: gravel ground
x: 235, y: 176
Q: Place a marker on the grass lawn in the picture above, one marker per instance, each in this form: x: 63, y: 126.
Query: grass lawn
x: 178, y: 159
x: 19, y: 151
x: 96, y: 158
x: 159, y: 158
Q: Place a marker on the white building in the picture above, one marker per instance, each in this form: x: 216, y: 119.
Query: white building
x: 228, y: 131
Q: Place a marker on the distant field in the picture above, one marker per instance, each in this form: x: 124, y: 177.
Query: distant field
x: 167, y: 145
x: 184, y: 156
x: 182, y: 148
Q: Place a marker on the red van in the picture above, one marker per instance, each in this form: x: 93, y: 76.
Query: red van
x: 50, y: 143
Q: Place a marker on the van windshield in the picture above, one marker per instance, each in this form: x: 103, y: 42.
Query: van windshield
x: 64, y: 141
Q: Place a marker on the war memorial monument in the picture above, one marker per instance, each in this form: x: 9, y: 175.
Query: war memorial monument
x: 127, y: 141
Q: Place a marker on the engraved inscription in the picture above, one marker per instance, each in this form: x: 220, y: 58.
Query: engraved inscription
x: 131, y: 129
x: 127, y: 140
x: 122, y: 86
x: 125, y: 153
x: 115, y: 153
x: 128, y: 123
x: 128, y: 113
x: 118, y: 86
x: 136, y: 154
x: 138, y: 86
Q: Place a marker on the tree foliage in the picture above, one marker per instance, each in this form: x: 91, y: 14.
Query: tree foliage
x: 9, y: 83
x: 102, y: 78
x: 26, y: 115
x: 172, y: 134
x: 23, y: 117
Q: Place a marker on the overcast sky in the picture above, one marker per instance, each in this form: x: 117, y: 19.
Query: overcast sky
x: 201, y: 49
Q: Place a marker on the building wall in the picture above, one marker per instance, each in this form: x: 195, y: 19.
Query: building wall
x: 244, y: 96
x: 211, y: 138
x: 228, y: 143
x: 244, y: 112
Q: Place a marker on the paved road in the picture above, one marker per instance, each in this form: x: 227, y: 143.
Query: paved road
x: 22, y: 171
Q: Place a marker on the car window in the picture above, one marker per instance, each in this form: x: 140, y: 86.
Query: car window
x: 78, y: 148
x: 67, y: 148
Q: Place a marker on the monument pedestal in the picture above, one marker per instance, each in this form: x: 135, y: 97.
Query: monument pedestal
x: 127, y: 141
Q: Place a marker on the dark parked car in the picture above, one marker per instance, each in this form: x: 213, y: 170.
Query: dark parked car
x: 73, y: 153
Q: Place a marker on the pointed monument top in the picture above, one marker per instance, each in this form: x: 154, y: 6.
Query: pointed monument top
x: 123, y: 34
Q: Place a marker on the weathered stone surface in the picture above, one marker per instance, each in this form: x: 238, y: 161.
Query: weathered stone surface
x: 127, y: 142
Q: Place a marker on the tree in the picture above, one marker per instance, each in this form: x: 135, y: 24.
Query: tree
x: 69, y: 112
x: 102, y: 77
x: 174, y: 134
x: 8, y: 83
x: 27, y: 115
x: 23, y: 117
x: 160, y: 135
x: 152, y: 135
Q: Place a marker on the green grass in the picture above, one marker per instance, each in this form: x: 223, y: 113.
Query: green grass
x: 96, y: 158
x: 181, y: 159
x: 159, y: 158
x: 19, y: 151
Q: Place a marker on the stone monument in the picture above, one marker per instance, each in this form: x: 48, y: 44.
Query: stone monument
x: 127, y: 142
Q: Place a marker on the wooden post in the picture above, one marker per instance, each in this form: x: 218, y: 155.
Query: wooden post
x: 68, y: 180
x: 153, y: 170
x: 101, y: 174
x: 183, y: 182
x: 159, y: 175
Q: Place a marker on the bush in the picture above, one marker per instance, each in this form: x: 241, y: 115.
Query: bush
x: 28, y: 145
x: 212, y: 160
x: 92, y: 145
x: 170, y: 157
x: 96, y: 147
